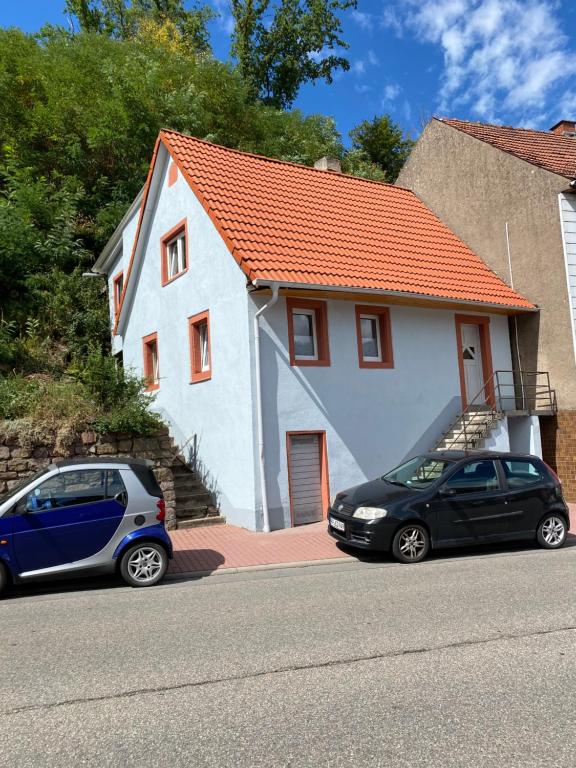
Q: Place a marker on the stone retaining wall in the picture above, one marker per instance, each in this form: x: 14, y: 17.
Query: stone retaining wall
x: 20, y: 459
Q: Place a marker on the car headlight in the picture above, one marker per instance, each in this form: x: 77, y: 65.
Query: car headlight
x: 370, y: 513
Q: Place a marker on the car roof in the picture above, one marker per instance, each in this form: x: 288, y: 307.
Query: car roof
x: 478, y: 454
x: 125, y: 460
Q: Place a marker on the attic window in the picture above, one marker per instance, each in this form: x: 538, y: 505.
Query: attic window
x: 174, y: 252
x: 118, y: 287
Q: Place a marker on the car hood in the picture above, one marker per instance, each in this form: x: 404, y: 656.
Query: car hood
x: 374, y: 493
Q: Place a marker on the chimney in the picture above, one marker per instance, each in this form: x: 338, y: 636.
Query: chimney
x: 565, y: 128
x: 328, y: 164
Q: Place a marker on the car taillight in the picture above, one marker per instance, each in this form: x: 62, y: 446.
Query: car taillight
x: 161, y: 504
x: 554, y: 475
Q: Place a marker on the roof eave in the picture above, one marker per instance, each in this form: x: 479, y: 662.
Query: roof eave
x: 102, y: 262
x: 507, y: 308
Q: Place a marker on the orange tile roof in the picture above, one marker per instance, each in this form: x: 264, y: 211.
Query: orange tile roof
x: 552, y: 151
x: 289, y: 223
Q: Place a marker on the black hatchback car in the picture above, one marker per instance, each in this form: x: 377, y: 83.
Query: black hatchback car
x: 453, y: 498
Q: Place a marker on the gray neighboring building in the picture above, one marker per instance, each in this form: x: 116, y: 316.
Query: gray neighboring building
x: 509, y: 193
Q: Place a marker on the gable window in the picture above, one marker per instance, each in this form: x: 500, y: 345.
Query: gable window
x: 174, y: 252
x: 118, y: 287
x: 200, y: 353
x: 151, y: 361
x: 308, y: 332
x: 374, y: 337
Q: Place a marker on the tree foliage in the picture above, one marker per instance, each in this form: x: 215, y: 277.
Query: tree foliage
x: 149, y: 19
x: 280, y: 49
x: 84, y: 107
x: 383, y: 143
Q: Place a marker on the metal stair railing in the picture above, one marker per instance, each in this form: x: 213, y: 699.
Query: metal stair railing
x: 531, y: 397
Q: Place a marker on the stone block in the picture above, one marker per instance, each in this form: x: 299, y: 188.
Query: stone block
x: 125, y: 445
x: 7, y: 476
x: 17, y: 465
x: 88, y: 438
x: 4, y: 452
x: 20, y: 453
x: 106, y: 449
x: 41, y: 452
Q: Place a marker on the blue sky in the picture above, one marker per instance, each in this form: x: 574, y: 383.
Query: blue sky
x: 503, y: 61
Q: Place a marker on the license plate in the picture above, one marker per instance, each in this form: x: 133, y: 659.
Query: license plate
x: 337, y: 524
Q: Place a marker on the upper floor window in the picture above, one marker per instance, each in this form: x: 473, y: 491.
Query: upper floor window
x: 308, y: 332
x: 174, y: 252
x: 151, y: 361
x: 374, y: 337
x: 118, y: 287
x: 200, y: 353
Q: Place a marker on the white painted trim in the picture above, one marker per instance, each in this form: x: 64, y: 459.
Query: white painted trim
x: 561, y: 197
x: 257, y: 283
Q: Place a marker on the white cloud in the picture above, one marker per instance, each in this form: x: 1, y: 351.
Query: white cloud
x: 358, y: 67
x: 500, y: 56
x: 391, y: 92
x: 364, y: 20
x: 362, y: 88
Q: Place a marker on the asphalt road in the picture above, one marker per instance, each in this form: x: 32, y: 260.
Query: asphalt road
x: 459, y: 661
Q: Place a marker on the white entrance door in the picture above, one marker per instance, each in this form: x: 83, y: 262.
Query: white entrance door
x: 472, y: 361
x: 305, y: 478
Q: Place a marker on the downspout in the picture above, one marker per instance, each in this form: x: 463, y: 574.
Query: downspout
x: 265, y: 516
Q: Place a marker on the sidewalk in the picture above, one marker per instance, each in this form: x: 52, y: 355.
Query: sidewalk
x: 222, y: 547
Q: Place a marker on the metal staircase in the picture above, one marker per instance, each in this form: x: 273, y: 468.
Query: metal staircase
x: 506, y: 393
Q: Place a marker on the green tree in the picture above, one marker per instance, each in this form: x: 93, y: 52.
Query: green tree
x: 383, y: 143
x: 146, y: 18
x: 280, y: 49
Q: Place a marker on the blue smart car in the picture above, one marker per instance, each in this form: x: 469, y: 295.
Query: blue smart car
x: 85, y: 516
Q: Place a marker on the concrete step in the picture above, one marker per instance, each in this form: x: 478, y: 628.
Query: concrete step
x: 193, y: 494
x: 201, y: 522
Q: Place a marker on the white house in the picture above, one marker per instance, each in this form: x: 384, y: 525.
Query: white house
x: 309, y: 329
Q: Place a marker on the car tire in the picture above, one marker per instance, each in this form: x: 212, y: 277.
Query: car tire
x: 552, y: 531
x: 144, y: 564
x: 411, y: 543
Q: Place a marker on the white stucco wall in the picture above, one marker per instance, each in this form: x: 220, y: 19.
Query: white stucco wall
x: 373, y: 418
x: 524, y: 432
x: 218, y: 411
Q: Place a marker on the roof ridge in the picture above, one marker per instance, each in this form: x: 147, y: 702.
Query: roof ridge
x: 291, y: 163
x: 450, y: 120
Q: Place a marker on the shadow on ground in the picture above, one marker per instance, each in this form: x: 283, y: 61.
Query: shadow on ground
x: 366, y: 556
x: 205, y: 561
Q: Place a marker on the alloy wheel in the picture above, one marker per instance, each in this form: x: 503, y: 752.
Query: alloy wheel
x: 412, y: 543
x: 145, y: 564
x: 553, y: 531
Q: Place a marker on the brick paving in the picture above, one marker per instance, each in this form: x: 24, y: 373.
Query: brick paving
x: 227, y: 546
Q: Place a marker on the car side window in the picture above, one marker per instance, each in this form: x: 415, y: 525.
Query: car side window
x: 67, y: 489
x: 521, y: 472
x: 474, y: 477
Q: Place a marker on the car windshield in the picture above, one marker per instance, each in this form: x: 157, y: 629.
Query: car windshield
x: 22, y: 484
x: 418, y: 473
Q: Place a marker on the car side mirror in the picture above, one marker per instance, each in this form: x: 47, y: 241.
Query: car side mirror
x: 446, y: 491
x: 121, y: 498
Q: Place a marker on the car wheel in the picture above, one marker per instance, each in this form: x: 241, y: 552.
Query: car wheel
x: 143, y: 565
x: 552, y: 532
x: 411, y: 544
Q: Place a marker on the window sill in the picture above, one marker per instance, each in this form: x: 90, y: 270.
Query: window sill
x: 322, y: 363
x: 174, y: 277
x: 374, y: 364
x: 198, y: 377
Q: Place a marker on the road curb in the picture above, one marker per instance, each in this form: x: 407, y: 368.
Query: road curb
x: 264, y: 567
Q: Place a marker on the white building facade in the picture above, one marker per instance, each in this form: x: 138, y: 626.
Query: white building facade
x: 330, y: 385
